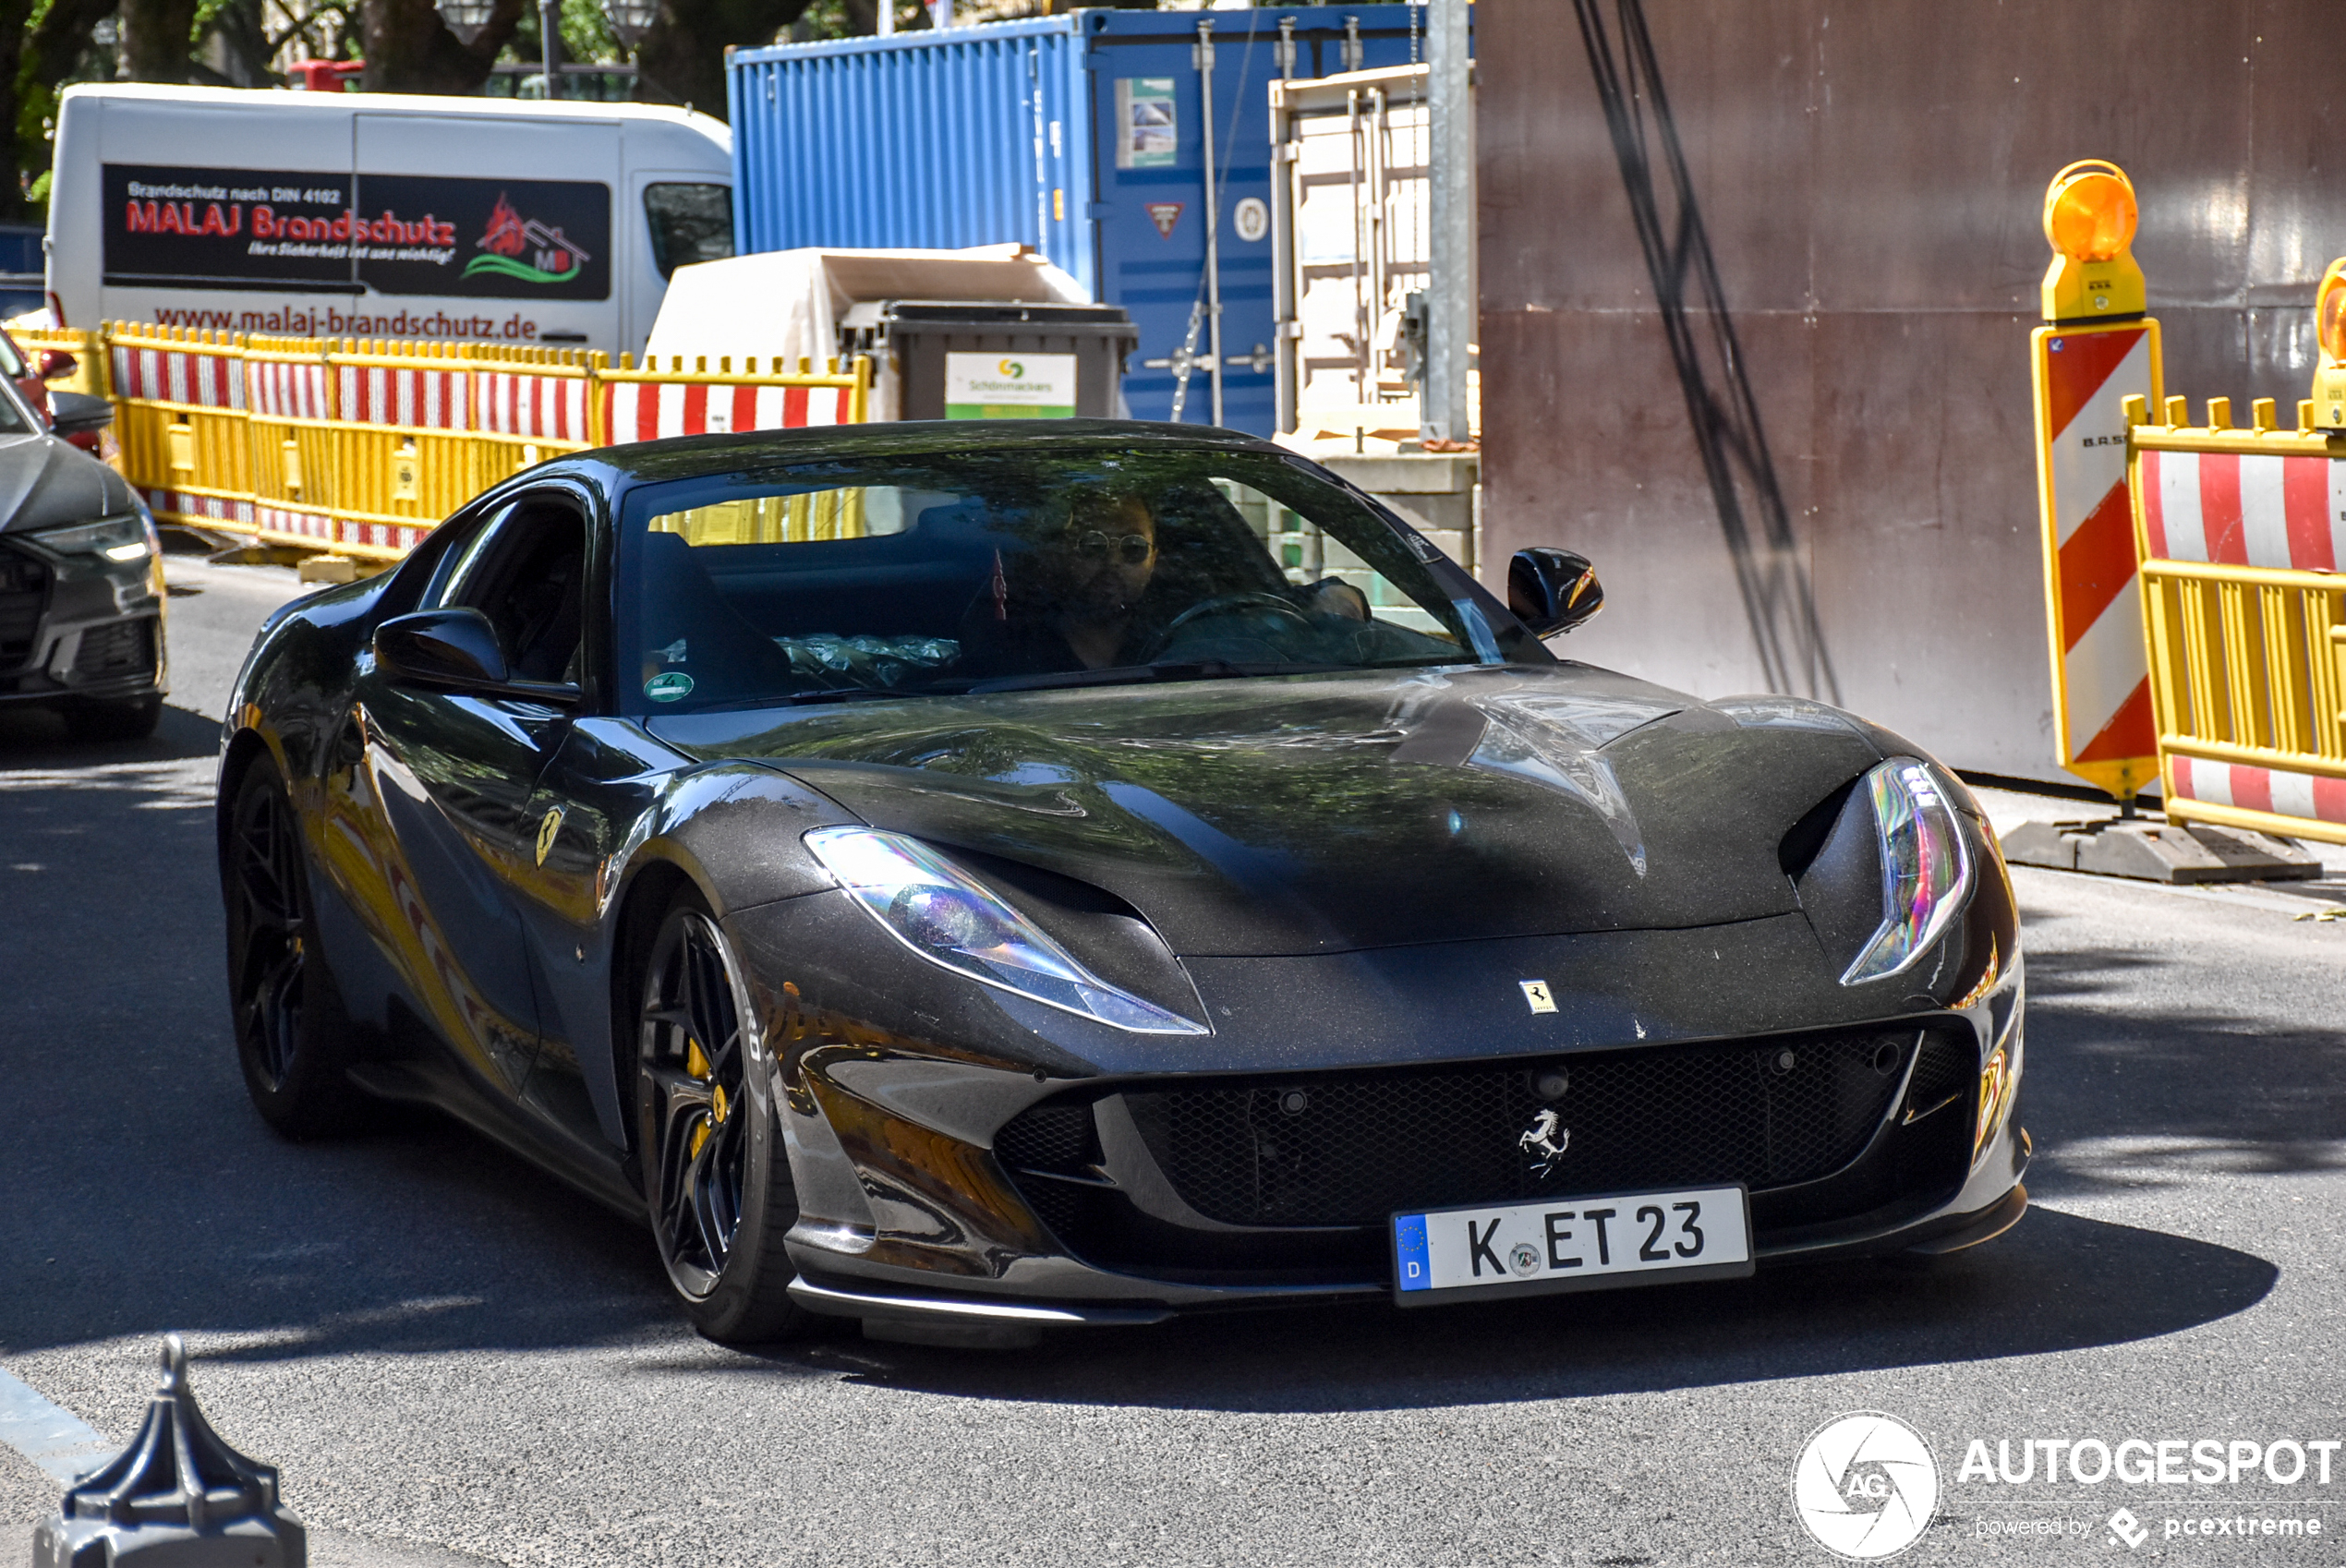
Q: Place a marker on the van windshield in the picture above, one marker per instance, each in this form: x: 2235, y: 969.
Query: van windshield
x: 996, y: 570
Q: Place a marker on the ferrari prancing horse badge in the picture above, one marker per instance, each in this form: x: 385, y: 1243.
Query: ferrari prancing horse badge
x: 546, y: 831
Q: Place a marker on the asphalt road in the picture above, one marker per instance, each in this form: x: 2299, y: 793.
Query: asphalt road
x: 455, y: 1359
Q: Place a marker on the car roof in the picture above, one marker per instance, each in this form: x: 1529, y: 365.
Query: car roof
x: 685, y: 456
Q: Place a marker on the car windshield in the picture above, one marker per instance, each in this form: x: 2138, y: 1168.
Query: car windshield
x: 958, y: 572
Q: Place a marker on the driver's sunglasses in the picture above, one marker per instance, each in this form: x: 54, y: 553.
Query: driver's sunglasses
x: 1130, y: 550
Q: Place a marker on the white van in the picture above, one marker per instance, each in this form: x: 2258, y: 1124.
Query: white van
x: 380, y: 215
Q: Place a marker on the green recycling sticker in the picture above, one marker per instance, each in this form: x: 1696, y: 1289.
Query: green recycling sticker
x: 668, y: 685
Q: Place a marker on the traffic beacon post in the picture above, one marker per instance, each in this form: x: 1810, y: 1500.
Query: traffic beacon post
x: 2098, y: 347
x: 2329, y: 333
x: 2098, y: 350
x: 177, y: 1498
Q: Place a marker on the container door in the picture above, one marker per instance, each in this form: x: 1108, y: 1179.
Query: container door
x: 488, y: 230
x: 1150, y: 153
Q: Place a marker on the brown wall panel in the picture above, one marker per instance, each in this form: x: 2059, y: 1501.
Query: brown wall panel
x: 1870, y: 180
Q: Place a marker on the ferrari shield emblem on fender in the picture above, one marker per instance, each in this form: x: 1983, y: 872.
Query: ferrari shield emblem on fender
x: 547, y: 830
x: 1535, y: 991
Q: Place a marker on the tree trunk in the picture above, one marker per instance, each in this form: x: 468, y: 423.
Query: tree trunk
x: 155, y: 39
x: 681, y: 59
x: 409, y: 49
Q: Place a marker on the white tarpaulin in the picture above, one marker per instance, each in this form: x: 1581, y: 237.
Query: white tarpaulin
x: 789, y: 303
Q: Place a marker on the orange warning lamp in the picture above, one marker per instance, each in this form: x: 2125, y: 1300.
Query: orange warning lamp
x: 2329, y: 331
x: 2089, y: 221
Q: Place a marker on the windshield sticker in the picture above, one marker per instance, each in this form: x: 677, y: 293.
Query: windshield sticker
x: 667, y: 686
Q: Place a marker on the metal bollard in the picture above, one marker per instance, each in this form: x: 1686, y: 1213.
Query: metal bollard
x: 177, y: 1496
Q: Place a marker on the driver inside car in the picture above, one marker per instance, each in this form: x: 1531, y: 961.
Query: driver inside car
x: 1072, y: 602
x: 1080, y: 599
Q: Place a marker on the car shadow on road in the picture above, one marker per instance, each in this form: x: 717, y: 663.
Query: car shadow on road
x: 2057, y: 1283
x: 36, y: 738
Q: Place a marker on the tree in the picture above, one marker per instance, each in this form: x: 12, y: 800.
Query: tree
x: 409, y: 49
x: 681, y: 59
x: 45, y: 51
x: 157, y: 37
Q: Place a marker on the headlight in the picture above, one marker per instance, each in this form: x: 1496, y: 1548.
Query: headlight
x: 951, y: 921
x: 1925, y: 869
x: 121, y: 538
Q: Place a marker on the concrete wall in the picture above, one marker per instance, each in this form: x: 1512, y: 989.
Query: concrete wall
x: 1870, y: 178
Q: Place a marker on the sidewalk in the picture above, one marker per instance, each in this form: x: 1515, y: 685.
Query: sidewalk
x: 2007, y: 809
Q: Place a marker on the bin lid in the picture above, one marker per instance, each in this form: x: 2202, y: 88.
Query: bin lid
x: 789, y: 302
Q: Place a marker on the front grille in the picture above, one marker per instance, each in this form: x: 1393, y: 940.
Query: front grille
x: 24, y: 590
x: 126, y: 647
x: 1349, y: 1149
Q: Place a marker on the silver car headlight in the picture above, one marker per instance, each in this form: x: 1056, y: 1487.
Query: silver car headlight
x: 949, y: 918
x: 1926, y: 866
x: 124, y: 538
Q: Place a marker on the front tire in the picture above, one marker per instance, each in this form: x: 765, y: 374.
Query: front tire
x: 291, y: 1031
x: 715, y: 1175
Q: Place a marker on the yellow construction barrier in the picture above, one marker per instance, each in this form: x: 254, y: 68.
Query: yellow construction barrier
x: 2241, y: 535
x: 361, y: 448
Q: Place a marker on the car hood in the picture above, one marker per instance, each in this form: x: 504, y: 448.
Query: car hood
x: 44, y: 483
x: 1306, y: 814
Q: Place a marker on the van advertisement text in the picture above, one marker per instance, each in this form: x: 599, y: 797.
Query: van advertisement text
x: 400, y: 234
x: 316, y: 321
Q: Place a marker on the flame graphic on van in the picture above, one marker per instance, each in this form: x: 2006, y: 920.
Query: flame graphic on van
x: 551, y: 258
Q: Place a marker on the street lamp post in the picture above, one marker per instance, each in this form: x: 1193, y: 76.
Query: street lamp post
x: 630, y: 20
x: 465, y: 18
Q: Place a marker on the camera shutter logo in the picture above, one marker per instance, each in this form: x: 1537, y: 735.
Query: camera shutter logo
x: 1865, y: 1486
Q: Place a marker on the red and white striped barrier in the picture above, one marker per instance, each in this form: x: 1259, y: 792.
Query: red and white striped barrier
x: 285, y: 390
x: 2270, y: 789
x: 648, y: 411
x: 335, y: 531
x: 2242, y: 509
x: 422, y: 397
x: 537, y: 408
x: 2102, y: 687
x: 198, y: 376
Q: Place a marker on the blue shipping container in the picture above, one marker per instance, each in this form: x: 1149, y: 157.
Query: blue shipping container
x: 1078, y: 135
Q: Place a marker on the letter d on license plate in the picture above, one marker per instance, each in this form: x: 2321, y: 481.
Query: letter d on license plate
x: 1571, y: 1244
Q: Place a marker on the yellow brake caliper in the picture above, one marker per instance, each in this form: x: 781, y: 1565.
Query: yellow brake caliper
x: 697, y: 1065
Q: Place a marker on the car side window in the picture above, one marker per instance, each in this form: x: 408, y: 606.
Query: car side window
x: 527, y: 572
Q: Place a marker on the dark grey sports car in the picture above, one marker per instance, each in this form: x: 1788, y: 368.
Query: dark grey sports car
x: 977, y: 877
x: 81, y: 592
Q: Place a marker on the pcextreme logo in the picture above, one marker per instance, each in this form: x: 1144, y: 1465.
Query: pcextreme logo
x: 1865, y: 1486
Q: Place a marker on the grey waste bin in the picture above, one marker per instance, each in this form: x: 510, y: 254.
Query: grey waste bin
x: 974, y: 360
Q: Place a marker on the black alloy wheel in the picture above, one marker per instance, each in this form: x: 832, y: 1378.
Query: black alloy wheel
x: 289, y: 1022
x: 715, y: 1176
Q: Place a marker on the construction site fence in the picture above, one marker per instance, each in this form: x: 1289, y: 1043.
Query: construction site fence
x: 2241, y: 537
x: 360, y: 447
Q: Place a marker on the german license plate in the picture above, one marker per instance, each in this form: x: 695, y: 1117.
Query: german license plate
x: 1570, y: 1243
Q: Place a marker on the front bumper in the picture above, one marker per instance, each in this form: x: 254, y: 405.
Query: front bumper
x: 914, y: 1207
x: 72, y: 628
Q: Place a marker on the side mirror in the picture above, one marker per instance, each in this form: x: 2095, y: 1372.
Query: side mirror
x: 442, y: 647
x: 1553, y: 590
x: 54, y: 364
x: 78, y: 413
